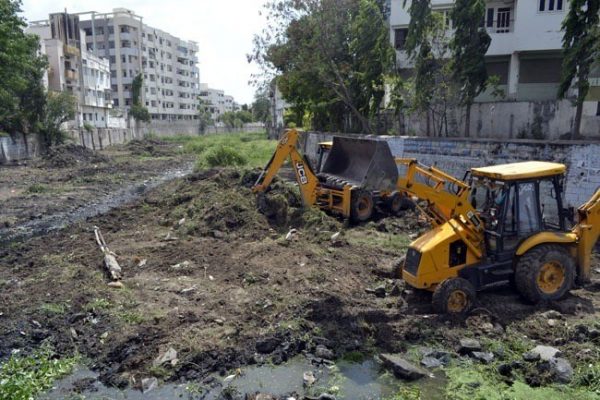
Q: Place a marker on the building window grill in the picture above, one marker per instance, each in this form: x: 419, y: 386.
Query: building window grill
x: 550, y: 5
x: 400, y: 38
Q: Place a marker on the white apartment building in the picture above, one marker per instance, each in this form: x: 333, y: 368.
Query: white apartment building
x: 168, y: 64
x: 216, y: 101
x: 526, y: 48
x: 74, y: 70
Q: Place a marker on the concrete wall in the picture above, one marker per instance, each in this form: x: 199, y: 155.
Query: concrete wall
x: 456, y: 156
x: 510, y: 119
x: 15, y: 150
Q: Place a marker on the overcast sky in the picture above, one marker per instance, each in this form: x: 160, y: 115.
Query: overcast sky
x: 223, y: 29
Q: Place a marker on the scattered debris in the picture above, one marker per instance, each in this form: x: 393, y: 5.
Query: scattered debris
x: 546, y: 352
x: 401, y: 368
x: 290, y: 235
x: 467, y: 346
x: 149, y: 384
x: 308, y: 378
x: 168, y: 357
x: 483, y: 356
x: 561, y: 370
x: 323, y: 352
x: 110, y: 258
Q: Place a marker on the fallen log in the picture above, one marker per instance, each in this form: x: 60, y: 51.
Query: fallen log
x: 110, y: 258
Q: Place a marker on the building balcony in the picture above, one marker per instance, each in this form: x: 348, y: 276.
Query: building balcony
x: 71, y: 75
x: 71, y: 51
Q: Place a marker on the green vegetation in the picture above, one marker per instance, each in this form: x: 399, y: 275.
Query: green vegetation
x: 54, y: 308
x: 231, y: 149
x: 329, y: 64
x: 580, y: 52
x: 24, y: 377
x: 479, y: 382
x: 37, y: 188
x: 138, y: 111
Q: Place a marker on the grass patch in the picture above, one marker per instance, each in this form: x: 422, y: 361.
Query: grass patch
x: 54, y: 308
x: 227, y: 149
x: 477, y: 382
x: 98, y: 305
x: 37, y: 188
x: 23, y: 378
x: 378, y: 240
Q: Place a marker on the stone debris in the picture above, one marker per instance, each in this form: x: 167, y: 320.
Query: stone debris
x: 323, y: 352
x: 483, y: 356
x: 168, y: 357
x: 149, y: 384
x: 562, y: 370
x: 401, y: 368
x: 546, y: 352
x: 308, y: 379
x: 467, y: 346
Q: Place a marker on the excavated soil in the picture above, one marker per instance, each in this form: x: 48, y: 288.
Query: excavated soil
x: 228, y: 279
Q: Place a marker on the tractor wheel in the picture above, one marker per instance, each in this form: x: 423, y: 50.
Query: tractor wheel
x: 453, y: 296
x: 396, y: 203
x: 545, y: 273
x: 362, y: 206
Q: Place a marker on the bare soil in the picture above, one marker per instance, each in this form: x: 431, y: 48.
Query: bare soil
x: 217, y: 274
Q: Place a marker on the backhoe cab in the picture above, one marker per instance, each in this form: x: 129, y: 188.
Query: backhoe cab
x: 507, y: 224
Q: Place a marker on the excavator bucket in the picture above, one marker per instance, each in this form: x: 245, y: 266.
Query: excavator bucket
x: 366, y: 163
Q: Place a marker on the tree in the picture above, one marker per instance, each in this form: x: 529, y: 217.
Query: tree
x: 60, y: 108
x: 204, y: 116
x: 138, y: 111
x: 469, y: 46
x: 261, y: 108
x: 581, y: 49
x: 329, y: 56
x: 22, y: 97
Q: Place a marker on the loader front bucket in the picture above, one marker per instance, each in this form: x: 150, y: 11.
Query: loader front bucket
x: 366, y: 163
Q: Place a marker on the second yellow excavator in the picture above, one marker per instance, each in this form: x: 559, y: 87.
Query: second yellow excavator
x: 504, y: 223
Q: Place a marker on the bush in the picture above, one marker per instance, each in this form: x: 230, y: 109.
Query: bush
x: 221, y: 156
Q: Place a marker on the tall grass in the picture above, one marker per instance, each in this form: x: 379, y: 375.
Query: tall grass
x: 228, y: 149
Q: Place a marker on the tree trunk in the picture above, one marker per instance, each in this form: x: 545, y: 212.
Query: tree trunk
x: 428, y: 127
x: 468, y: 121
x: 576, y: 132
x: 26, y: 143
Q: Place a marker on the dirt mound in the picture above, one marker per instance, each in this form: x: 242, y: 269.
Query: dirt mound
x: 149, y: 147
x: 220, y: 202
x: 69, y: 155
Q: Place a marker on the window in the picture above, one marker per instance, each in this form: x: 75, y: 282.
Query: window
x: 490, y: 18
x: 550, y: 5
x: 528, y: 209
x: 503, y: 21
x: 400, y: 38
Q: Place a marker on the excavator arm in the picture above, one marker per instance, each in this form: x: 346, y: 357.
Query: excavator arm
x: 447, y: 201
x: 286, y: 150
x: 588, y: 232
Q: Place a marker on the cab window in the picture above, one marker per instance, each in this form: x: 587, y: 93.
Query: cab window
x: 529, y: 217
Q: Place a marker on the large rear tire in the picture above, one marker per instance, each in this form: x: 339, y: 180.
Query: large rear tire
x: 545, y: 273
x: 453, y: 296
x: 362, y: 206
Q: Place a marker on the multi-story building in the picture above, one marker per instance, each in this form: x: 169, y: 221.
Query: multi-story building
x: 216, y: 101
x: 168, y: 64
x: 526, y: 48
x: 73, y: 69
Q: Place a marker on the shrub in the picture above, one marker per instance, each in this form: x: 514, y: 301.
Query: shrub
x: 221, y: 156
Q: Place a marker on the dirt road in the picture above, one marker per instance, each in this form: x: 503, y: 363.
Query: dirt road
x: 225, y: 285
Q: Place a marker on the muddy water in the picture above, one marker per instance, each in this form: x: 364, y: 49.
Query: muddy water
x: 54, y: 222
x: 364, y: 380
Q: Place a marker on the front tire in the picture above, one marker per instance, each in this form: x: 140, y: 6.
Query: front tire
x: 545, y: 273
x: 453, y: 296
x: 362, y: 206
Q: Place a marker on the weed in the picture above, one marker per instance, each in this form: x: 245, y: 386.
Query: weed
x: 54, y: 308
x: 98, y: 305
x: 22, y: 378
x: 588, y: 377
x: 37, y: 188
x: 221, y: 156
x: 407, y: 393
x: 131, y: 317
x: 354, y: 357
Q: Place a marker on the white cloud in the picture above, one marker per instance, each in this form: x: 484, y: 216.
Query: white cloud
x: 223, y: 29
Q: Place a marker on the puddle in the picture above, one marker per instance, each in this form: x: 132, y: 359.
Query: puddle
x: 102, y: 205
x: 357, y: 381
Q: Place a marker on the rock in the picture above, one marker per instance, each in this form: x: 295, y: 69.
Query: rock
x: 468, y: 345
x: 116, y: 285
x: 218, y: 235
x: 431, y: 362
x: 561, y: 370
x: 170, y: 238
x: 263, y: 396
x: 551, y: 322
x: 290, y: 235
x: 149, y: 384
x: 442, y: 356
x: 267, y: 345
x: 323, y: 352
x: 181, y: 222
x: 505, y: 369
x: 551, y: 314
x: 308, y: 379
x: 170, y: 356
x: 546, y: 352
x: 335, y: 236
x: 401, y: 368
x: 483, y: 356
x: 531, y: 356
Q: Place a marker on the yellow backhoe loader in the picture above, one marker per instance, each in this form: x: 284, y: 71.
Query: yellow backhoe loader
x: 501, y: 223
x: 356, y: 176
